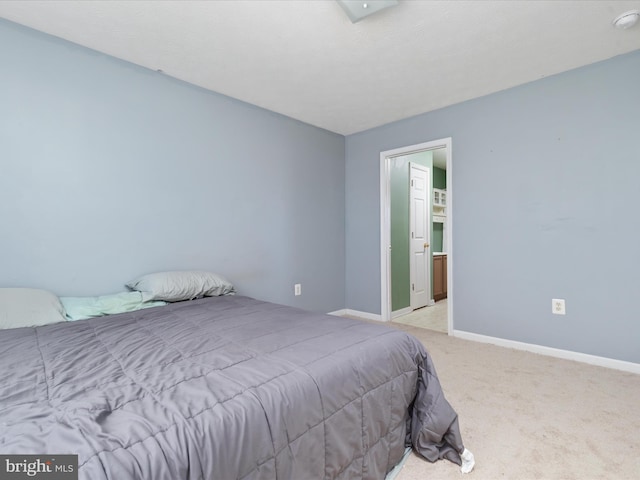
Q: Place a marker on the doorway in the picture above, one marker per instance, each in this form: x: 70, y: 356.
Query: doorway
x: 438, y: 240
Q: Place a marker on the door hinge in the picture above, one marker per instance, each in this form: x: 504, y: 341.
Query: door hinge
x: 412, y: 183
x: 413, y: 287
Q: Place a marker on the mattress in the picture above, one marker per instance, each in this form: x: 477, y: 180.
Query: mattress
x: 223, y: 388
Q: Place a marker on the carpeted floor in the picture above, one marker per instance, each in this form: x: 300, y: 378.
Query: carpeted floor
x: 527, y: 416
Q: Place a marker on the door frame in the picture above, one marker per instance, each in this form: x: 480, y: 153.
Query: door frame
x: 385, y: 223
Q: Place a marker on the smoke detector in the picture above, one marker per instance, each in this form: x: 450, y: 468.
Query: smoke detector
x: 627, y: 19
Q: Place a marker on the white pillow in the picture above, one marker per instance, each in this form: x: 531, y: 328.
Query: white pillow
x: 29, y: 307
x: 178, y: 286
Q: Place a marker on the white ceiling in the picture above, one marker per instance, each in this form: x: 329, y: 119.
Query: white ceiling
x: 305, y: 59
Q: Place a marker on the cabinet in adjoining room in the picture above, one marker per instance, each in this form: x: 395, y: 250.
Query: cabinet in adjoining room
x: 439, y: 277
x: 439, y: 197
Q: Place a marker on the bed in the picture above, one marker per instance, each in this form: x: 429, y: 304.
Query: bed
x: 225, y: 387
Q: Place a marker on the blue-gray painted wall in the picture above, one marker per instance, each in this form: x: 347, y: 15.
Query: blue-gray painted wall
x: 545, y: 205
x: 109, y: 171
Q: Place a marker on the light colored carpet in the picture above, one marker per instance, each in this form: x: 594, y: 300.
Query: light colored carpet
x: 527, y: 416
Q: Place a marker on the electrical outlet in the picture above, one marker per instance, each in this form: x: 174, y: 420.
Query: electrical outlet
x: 297, y: 289
x: 557, y: 306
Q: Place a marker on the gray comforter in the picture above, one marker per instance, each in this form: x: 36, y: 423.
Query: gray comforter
x: 222, y: 388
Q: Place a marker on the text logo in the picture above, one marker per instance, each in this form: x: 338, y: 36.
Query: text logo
x: 39, y: 467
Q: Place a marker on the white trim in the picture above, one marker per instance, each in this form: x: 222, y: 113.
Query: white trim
x: 551, y: 352
x: 357, y: 313
x: 401, y: 312
x: 385, y: 224
x: 385, y: 235
x: 448, y: 225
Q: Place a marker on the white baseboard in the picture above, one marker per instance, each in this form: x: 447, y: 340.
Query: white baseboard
x: 356, y: 313
x: 552, y: 352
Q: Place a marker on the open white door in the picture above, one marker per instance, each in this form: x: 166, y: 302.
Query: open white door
x: 419, y: 245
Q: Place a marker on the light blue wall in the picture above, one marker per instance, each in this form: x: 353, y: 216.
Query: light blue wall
x: 109, y: 170
x: 542, y: 173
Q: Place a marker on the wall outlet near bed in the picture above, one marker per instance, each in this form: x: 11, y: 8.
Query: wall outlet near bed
x: 297, y: 289
x: 557, y: 306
